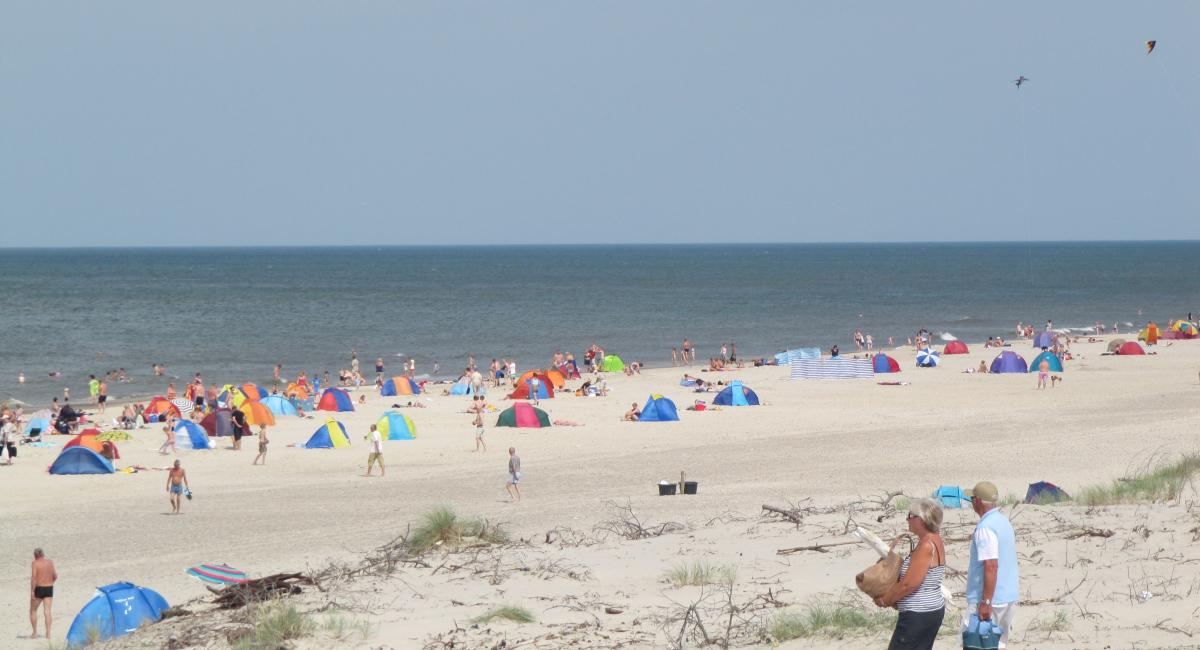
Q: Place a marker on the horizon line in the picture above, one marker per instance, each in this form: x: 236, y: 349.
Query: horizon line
x: 593, y: 245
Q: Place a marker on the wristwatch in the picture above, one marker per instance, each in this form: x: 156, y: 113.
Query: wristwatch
x: 987, y: 601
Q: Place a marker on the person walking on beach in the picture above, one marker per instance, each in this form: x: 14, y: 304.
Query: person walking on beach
x: 918, y: 593
x: 478, y: 422
x: 534, y: 385
x: 376, y: 454
x: 262, y: 445
x: 177, y: 482
x: 168, y: 446
x: 514, y: 475
x: 688, y: 355
x: 993, y: 587
x: 1043, y: 374
x: 8, y: 440
x: 41, y: 590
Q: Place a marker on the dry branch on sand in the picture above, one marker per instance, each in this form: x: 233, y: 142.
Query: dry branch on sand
x: 624, y: 522
x: 261, y: 589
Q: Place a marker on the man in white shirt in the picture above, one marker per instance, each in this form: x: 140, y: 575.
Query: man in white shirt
x: 376, y: 454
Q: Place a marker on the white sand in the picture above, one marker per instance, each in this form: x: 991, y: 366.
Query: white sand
x: 831, y: 441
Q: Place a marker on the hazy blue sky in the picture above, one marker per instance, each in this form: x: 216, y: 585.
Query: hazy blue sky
x: 516, y: 122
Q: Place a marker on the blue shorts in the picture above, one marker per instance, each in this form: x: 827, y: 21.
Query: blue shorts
x: 176, y: 489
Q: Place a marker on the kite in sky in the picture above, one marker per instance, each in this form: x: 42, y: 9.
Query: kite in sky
x: 1150, y: 46
x: 1020, y: 80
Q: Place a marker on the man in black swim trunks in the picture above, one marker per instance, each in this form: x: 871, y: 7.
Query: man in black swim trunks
x: 239, y: 426
x: 41, y: 587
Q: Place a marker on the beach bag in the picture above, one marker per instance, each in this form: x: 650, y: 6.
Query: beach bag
x: 879, y: 577
x: 981, y: 635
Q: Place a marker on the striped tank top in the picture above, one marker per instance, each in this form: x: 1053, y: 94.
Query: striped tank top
x: 927, y: 597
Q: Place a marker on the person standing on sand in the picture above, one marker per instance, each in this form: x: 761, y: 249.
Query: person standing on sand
x: 168, y: 447
x: 238, y: 417
x: 1043, y: 373
x: 93, y: 388
x: 8, y: 441
x: 262, y: 445
x: 41, y: 590
x: 534, y: 386
x: 376, y: 454
x: 479, y: 444
x: 514, y: 475
x: 177, y: 482
x: 918, y: 593
x: 101, y: 395
x: 688, y: 355
x: 993, y: 582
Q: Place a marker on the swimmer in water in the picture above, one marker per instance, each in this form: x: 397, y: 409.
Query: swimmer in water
x: 21, y: 377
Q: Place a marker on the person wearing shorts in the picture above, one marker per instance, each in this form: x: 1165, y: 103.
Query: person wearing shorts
x: 101, y: 395
x: 41, y: 587
x: 376, y: 455
x: 479, y: 444
x: 8, y: 440
x: 514, y: 475
x: 176, y: 482
x: 262, y: 445
x: 239, y: 427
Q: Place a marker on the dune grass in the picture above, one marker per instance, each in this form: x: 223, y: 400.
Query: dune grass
x: 514, y: 613
x: 342, y: 628
x: 443, y: 527
x: 698, y: 573
x: 1158, y: 480
x: 835, y: 620
x: 275, y: 623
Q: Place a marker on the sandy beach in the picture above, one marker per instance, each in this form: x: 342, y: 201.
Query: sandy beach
x: 813, y: 444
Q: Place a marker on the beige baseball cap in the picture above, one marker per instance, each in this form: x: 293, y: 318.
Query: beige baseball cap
x: 984, y: 491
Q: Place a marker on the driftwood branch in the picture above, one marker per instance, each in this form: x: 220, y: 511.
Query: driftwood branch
x: 260, y: 589
x: 791, y: 515
x: 1089, y: 532
x: 819, y: 548
x: 1053, y: 599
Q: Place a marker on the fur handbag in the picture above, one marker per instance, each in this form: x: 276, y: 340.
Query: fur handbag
x: 876, y: 579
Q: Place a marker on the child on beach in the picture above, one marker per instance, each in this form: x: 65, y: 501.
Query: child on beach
x: 1043, y: 373
x: 478, y: 422
x: 376, y: 455
x: 514, y: 475
x: 262, y: 445
x: 168, y: 446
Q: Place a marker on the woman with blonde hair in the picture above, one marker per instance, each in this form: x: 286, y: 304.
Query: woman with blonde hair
x: 918, y: 593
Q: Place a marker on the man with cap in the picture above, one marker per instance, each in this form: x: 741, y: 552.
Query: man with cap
x: 992, y: 576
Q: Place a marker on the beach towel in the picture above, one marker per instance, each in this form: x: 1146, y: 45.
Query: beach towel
x: 832, y: 369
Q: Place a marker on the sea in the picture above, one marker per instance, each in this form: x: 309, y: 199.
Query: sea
x: 233, y: 313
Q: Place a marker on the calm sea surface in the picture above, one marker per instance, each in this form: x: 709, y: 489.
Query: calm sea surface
x: 234, y: 313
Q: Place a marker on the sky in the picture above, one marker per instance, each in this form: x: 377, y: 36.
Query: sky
x: 370, y: 122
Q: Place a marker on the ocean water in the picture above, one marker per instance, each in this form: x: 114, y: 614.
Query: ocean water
x: 232, y: 314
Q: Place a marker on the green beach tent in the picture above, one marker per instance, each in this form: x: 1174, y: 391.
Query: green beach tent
x: 612, y: 363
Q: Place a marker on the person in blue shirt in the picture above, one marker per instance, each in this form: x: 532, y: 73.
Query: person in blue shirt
x: 992, y: 576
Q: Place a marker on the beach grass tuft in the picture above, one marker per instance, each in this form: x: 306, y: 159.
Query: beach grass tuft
x: 830, y: 620
x: 698, y: 573
x: 443, y: 527
x: 1056, y: 622
x: 274, y: 623
x: 514, y: 613
x: 342, y: 628
x: 1155, y: 482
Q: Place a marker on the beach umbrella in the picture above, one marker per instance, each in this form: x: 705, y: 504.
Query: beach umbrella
x: 217, y: 574
x: 928, y: 358
x: 1115, y: 344
x: 1186, y: 328
x: 257, y: 413
x: 184, y: 405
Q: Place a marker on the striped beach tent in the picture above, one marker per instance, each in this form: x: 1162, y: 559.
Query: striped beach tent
x: 839, y: 368
x: 217, y: 574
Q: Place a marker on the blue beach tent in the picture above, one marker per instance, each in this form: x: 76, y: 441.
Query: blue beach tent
x: 189, y: 435
x: 1052, y: 359
x: 80, y: 460
x: 735, y: 394
x: 1043, y: 340
x: 41, y: 424
x: 396, y: 426
x: 659, y: 409
x: 389, y: 388
x: 331, y: 435
x: 950, y: 496
x: 115, y: 610
x: 462, y: 387
x: 1045, y: 492
x: 279, y: 405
